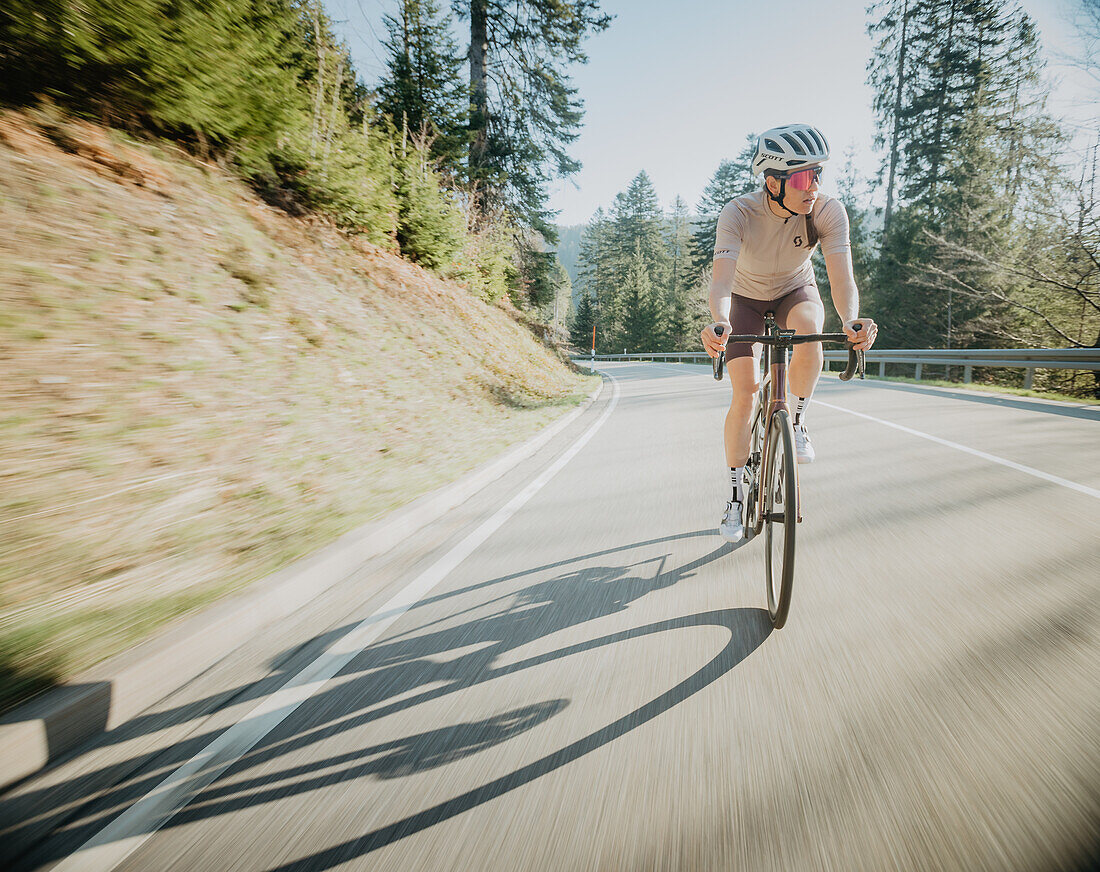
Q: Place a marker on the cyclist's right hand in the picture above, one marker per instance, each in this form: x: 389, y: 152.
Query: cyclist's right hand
x: 712, y: 342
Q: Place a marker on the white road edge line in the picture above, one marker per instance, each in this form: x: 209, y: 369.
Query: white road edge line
x: 130, y: 830
x: 992, y: 458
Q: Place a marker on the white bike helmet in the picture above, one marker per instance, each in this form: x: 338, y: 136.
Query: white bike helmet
x: 787, y: 148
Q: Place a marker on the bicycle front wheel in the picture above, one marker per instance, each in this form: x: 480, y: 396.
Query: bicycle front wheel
x: 780, y: 516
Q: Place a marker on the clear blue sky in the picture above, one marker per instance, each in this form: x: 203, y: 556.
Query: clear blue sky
x: 674, y: 88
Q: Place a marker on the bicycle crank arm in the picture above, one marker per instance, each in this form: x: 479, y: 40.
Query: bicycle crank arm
x: 778, y: 518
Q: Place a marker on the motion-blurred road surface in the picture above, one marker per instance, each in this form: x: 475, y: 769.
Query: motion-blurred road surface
x: 590, y: 681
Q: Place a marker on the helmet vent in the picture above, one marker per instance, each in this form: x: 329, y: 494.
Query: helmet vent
x: 773, y: 145
x: 821, y: 146
x: 807, y: 141
x: 794, y: 143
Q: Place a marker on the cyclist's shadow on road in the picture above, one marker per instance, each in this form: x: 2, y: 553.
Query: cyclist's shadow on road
x: 390, y: 673
x: 425, y: 654
x: 539, y: 610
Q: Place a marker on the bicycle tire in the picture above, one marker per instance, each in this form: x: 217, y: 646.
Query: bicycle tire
x: 780, y: 516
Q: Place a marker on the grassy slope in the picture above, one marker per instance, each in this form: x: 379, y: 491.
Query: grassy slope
x: 197, y: 389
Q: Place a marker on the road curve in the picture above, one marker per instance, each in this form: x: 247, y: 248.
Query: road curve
x: 573, y: 671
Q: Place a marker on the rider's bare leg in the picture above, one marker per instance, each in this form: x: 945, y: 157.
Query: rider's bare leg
x: 743, y: 378
x: 807, y: 359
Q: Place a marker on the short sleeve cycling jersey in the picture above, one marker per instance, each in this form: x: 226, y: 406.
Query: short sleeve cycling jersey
x: 773, y: 253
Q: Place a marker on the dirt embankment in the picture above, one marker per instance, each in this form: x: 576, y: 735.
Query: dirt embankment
x: 197, y: 388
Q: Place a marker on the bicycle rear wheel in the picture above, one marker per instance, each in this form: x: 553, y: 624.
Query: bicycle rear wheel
x: 780, y: 516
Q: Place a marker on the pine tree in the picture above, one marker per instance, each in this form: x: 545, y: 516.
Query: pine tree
x: 679, y: 328
x: 927, y: 70
x: 524, y: 111
x: 732, y: 179
x: 423, y: 90
x: 641, y: 310
x: 430, y: 228
x: 972, y: 142
x: 637, y: 224
x: 636, y: 230
x: 939, y: 101
x: 539, y: 269
x: 1025, y: 130
x: 596, y: 278
x: 215, y: 73
x: 889, y: 71
x: 582, y: 322
x: 556, y: 312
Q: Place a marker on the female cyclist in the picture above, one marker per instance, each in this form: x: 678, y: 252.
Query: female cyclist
x: 762, y: 253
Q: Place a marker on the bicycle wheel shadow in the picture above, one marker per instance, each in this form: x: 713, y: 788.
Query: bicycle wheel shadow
x: 747, y: 627
x: 428, y: 662
x: 437, y: 657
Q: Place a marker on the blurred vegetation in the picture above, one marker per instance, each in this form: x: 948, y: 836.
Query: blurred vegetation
x: 265, y: 87
x: 200, y: 388
x: 230, y: 76
x: 165, y: 325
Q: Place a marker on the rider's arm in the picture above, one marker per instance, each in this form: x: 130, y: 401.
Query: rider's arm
x: 721, y: 287
x: 727, y: 246
x: 842, y: 282
x: 832, y: 224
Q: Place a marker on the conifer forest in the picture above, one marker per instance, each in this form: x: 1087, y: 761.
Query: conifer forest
x: 989, y: 235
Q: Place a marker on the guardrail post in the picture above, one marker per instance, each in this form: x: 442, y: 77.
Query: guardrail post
x: 1029, y: 375
x: 967, y: 370
x: 916, y: 375
x: 882, y: 369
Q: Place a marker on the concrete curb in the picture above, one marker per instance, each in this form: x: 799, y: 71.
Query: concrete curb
x: 36, y: 734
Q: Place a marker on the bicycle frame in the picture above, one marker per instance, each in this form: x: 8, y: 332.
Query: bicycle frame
x: 770, y: 495
x: 772, y: 397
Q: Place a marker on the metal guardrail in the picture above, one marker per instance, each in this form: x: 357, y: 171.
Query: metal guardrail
x: 1028, y: 359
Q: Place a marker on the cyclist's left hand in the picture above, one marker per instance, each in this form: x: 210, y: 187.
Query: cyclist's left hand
x: 863, y: 338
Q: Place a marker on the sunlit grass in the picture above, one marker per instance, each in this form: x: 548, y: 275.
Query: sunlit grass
x: 196, y: 413
x: 38, y: 654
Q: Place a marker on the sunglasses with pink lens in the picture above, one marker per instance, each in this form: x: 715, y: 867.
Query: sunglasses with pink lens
x: 802, y: 179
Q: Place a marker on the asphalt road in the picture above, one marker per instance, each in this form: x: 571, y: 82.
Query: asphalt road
x: 574, y: 672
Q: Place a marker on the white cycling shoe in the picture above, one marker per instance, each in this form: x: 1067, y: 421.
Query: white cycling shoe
x: 731, y: 529
x: 803, y: 448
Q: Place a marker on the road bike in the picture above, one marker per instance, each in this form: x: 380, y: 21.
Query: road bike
x: 770, y: 481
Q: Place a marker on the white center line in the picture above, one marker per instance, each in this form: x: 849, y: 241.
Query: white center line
x: 992, y: 458
x: 130, y: 830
